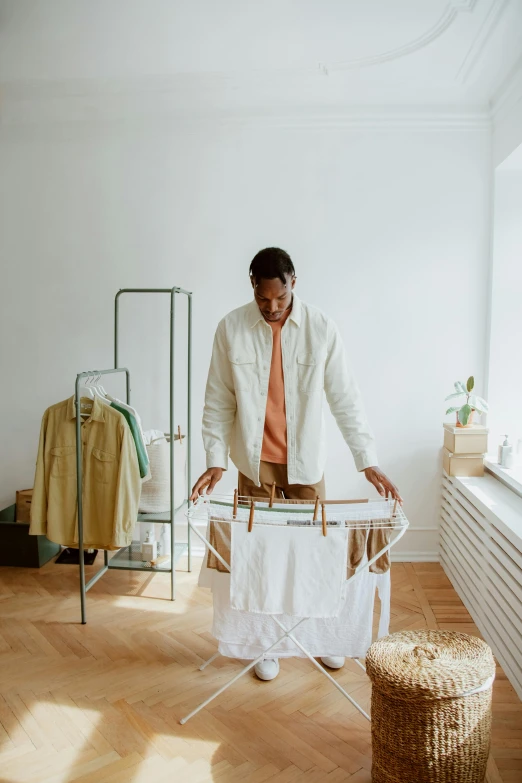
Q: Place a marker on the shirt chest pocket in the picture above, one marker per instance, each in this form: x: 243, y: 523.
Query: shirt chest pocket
x: 243, y: 369
x: 104, y: 465
x: 63, y: 462
x: 310, y: 372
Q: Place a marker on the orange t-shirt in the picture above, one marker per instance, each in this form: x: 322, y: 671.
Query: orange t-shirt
x: 274, y: 438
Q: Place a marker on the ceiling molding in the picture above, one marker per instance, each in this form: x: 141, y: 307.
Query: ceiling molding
x: 213, y: 97
x: 165, y: 112
x: 451, y: 12
x: 374, y: 119
x: 476, y: 50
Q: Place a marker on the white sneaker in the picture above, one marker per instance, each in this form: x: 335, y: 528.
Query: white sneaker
x: 333, y: 661
x: 267, y: 670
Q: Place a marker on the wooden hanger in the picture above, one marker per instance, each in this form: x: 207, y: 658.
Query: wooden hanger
x: 323, y: 509
x: 272, y: 495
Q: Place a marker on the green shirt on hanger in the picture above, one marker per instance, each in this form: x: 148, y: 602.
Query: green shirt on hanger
x: 143, y: 457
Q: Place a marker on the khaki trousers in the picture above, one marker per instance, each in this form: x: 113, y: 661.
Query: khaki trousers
x: 270, y: 472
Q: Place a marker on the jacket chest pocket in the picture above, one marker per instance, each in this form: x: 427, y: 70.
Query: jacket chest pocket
x: 310, y: 372
x: 243, y: 369
x: 104, y: 465
x: 63, y: 461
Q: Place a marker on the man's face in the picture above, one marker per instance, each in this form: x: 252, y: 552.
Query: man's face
x: 273, y: 297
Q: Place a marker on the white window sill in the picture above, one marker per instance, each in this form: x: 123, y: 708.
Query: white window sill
x: 497, y: 502
x: 510, y: 478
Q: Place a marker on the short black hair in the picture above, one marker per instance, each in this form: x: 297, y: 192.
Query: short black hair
x: 270, y: 263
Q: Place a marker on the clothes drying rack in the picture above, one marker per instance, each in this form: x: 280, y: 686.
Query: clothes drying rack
x: 244, y: 511
x: 123, y: 559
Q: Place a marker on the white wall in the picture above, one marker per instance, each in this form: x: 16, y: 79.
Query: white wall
x: 387, y: 228
x: 507, y: 116
x: 505, y: 364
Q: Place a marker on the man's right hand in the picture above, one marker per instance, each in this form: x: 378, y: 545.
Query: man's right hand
x: 206, y: 482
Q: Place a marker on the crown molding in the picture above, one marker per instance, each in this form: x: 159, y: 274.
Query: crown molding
x: 374, y: 119
x: 188, y: 101
x: 370, y: 118
x: 449, y: 15
x: 481, y: 40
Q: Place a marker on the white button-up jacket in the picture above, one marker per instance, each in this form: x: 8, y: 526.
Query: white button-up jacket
x: 313, y: 361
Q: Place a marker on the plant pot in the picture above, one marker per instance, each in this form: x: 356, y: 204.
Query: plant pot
x: 470, y: 420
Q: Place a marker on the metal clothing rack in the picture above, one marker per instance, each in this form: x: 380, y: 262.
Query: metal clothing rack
x: 122, y: 559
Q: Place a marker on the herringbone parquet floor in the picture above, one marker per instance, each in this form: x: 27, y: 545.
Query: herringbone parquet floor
x: 100, y: 703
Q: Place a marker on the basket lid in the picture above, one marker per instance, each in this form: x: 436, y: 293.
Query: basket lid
x: 427, y: 665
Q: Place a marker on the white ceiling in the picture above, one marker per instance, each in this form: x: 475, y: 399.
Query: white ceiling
x: 264, y: 53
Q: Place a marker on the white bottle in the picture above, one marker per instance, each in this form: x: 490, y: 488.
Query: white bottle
x: 149, y: 549
x: 518, y: 455
x: 505, y: 454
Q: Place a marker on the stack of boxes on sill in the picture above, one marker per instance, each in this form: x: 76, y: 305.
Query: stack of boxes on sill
x: 464, y: 450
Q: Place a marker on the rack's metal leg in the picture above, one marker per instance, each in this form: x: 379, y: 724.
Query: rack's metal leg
x: 95, y: 578
x: 321, y: 668
x: 79, y: 499
x: 241, y: 673
x: 207, y: 663
x: 189, y: 424
x: 172, y: 424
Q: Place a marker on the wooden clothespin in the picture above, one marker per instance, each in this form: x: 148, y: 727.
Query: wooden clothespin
x: 323, y: 509
x: 234, y: 512
x: 251, y: 517
x: 272, y: 495
x: 394, y: 512
x: 316, y: 508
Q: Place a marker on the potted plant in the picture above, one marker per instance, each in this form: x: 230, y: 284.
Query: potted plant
x: 473, y: 403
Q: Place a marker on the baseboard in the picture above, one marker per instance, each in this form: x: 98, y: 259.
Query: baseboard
x: 198, y: 550
x: 415, y: 557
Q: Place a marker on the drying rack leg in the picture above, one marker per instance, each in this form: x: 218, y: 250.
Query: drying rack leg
x: 207, y: 663
x: 239, y: 674
x: 321, y: 668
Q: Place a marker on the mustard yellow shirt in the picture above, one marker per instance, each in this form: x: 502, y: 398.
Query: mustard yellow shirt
x: 111, y: 478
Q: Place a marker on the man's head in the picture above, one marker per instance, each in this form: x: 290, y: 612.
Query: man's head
x: 272, y: 275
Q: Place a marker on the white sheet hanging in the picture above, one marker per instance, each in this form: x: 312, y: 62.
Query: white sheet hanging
x: 245, y: 635
x: 279, y: 569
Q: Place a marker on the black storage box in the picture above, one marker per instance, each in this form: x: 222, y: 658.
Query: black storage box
x: 18, y: 548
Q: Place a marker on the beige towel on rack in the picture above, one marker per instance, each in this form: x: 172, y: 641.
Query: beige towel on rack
x: 371, y: 540
x: 359, y: 540
x: 219, y: 538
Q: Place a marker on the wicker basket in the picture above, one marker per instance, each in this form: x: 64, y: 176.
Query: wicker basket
x: 431, y: 707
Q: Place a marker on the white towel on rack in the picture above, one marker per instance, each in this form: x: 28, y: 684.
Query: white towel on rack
x: 245, y: 635
x: 279, y: 569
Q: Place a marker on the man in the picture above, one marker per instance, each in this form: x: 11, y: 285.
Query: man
x: 271, y: 361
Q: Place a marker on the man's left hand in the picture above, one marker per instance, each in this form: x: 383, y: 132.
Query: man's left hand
x: 382, y: 483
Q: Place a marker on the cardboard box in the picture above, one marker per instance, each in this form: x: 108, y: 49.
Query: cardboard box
x: 466, y: 440
x: 23, y: 505
x: 463, y: 464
